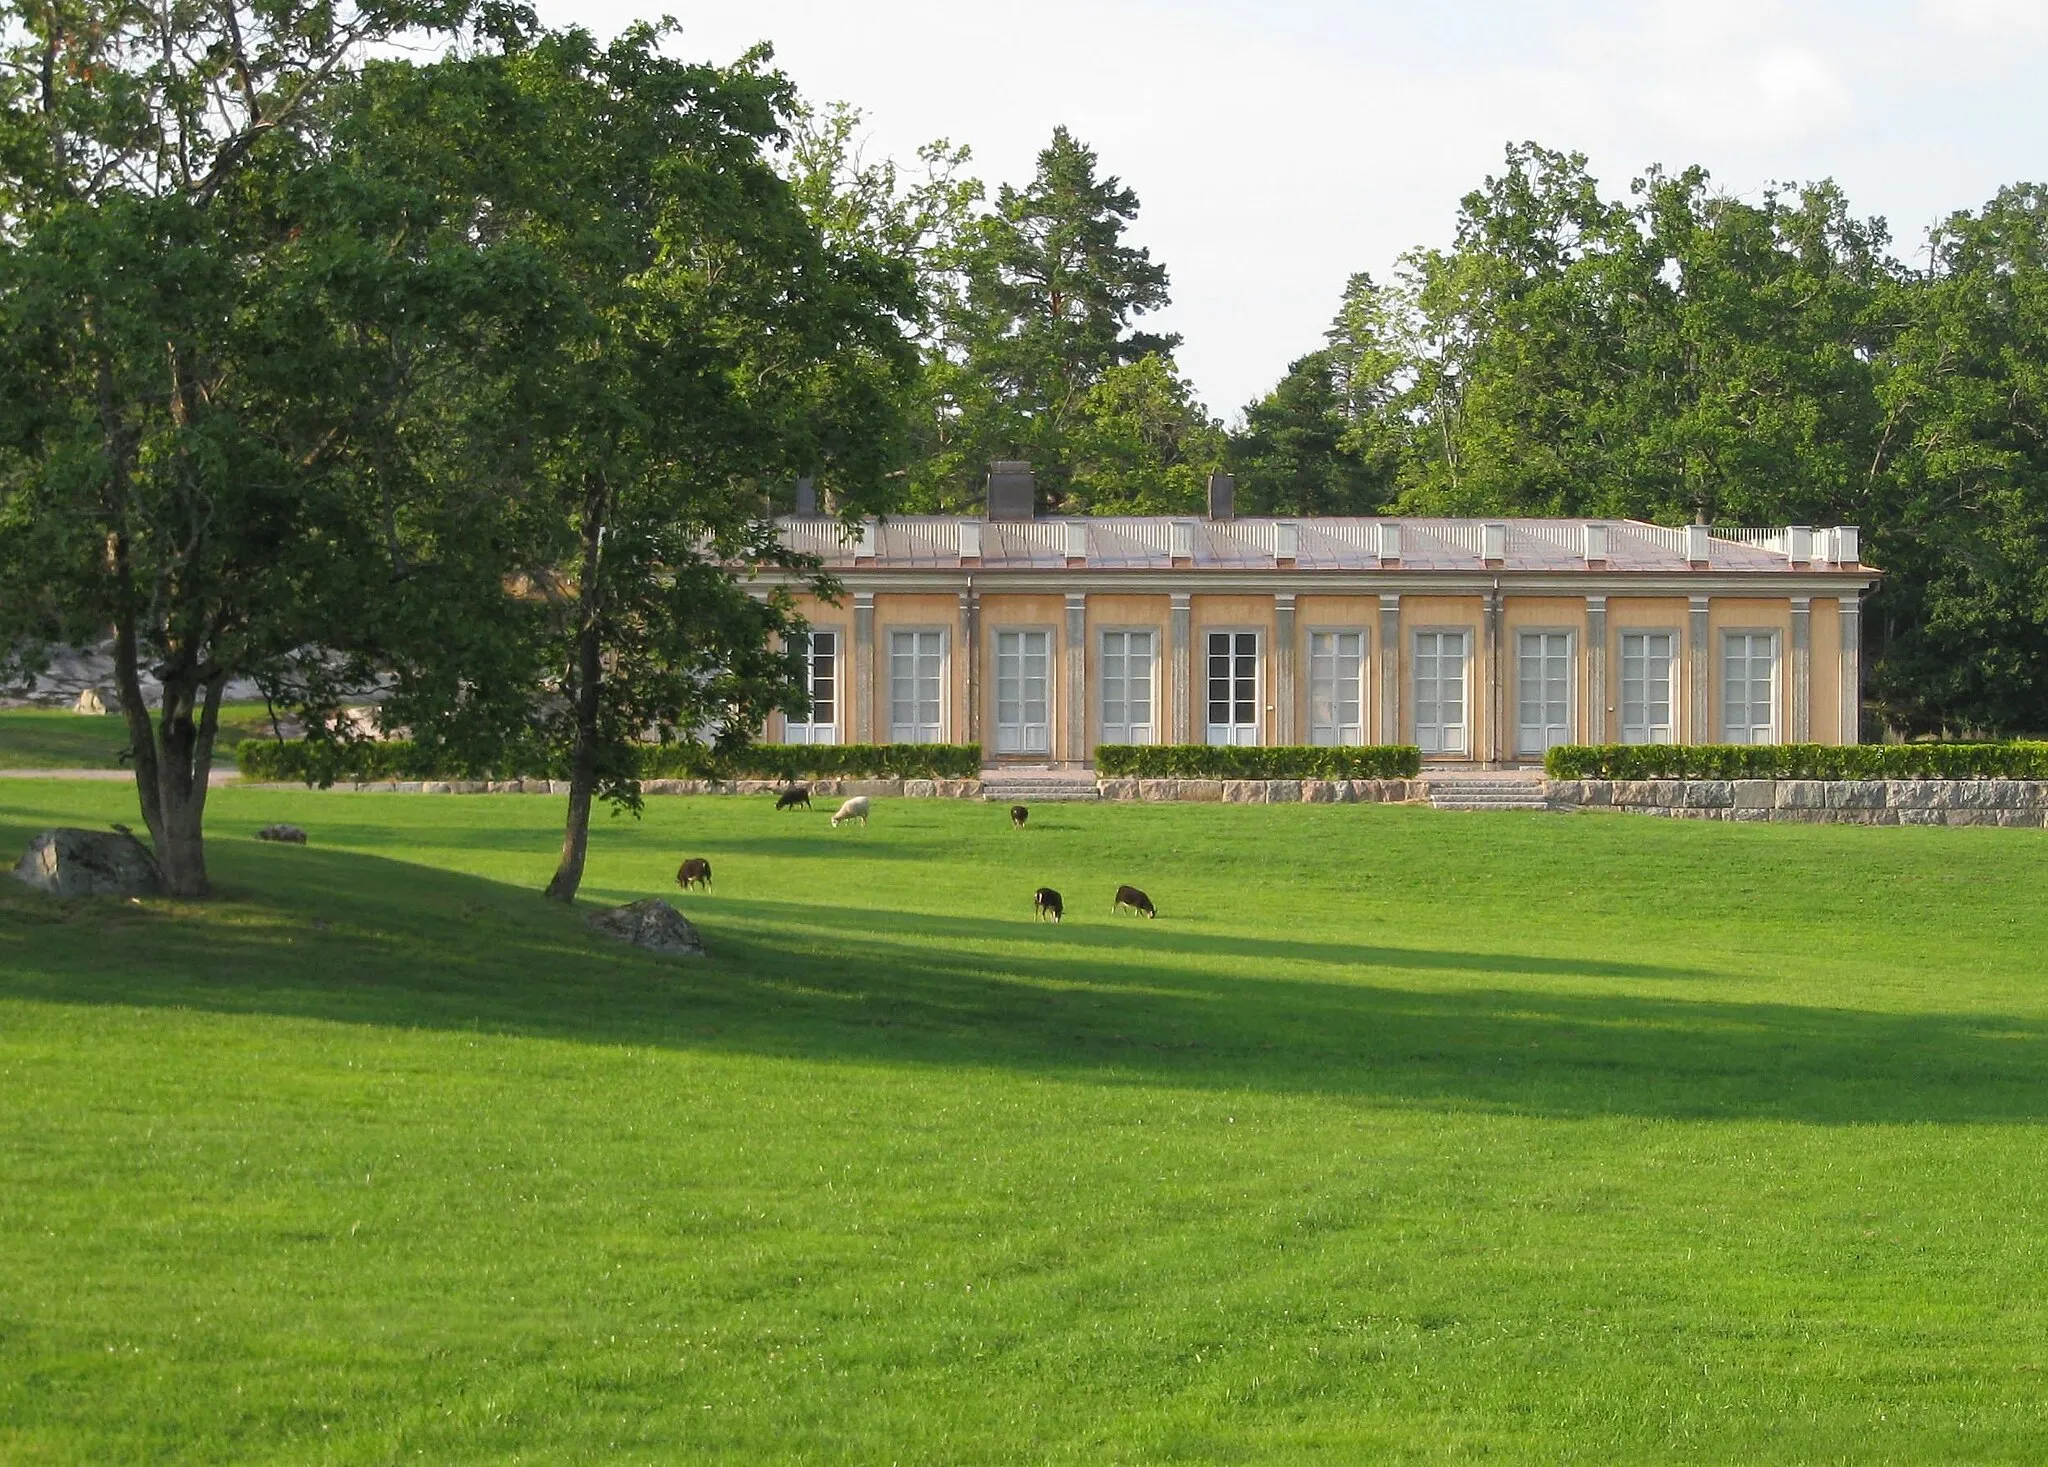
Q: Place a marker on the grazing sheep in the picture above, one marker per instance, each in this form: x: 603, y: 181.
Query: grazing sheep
x: 694, y: 872
x: 1048, y: 903
x: 290, y: 835
x: 1137, y: 901
x: 854, y: 809
x: 796, y: 794
x: 1018, y: 815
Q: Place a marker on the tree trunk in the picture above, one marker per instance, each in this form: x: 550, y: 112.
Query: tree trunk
x: 589, y: 690
x: 173, y: 758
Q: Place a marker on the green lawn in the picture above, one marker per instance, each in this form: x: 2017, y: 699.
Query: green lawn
x: 57, y: 738
x: 1400, y: 1137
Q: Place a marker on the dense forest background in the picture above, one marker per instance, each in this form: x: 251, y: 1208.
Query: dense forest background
x: 1664, y: 351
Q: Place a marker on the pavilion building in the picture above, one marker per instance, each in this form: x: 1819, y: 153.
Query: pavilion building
x: 1481, y: 641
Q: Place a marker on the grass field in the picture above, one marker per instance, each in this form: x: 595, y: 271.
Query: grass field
x: 1400, y: 1137
x: 57, y: 738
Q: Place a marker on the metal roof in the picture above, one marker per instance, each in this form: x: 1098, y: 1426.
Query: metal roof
x: 1139, y: 543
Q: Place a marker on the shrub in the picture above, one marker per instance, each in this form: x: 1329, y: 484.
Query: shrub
x: 1798, y: 761
x: 398, y: 759
x: 814, y: 761
x: 1293, y: 761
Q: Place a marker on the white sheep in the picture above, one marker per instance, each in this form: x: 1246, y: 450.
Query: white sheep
x: 854, y: 809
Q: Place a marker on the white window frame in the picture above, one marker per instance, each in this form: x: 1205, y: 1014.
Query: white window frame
x: 1571, y: 692
x: 1250, y: 735
x: 809, y: 730
x: 916, y: 730
x: 1671, y: 665
x: 1775, y: 731
x: 1024, y: 727
x: 1363, y: 671
x: 1150, y: 727
x: 1469, y: 640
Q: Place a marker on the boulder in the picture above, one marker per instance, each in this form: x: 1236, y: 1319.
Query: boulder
x: 289, y: 835
x: 652, y: 924
x: 68, y: 862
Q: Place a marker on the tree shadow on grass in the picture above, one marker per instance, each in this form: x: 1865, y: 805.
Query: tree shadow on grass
x: 357, y: 939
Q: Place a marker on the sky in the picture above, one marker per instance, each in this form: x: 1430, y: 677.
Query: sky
x: 1278, y: 147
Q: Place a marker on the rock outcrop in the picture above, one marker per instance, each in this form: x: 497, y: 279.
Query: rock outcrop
x: 652, y: 924
x: 67, y: 862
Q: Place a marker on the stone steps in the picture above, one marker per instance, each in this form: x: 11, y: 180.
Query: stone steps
x: 1485, y: 792
x: 1000, y: 787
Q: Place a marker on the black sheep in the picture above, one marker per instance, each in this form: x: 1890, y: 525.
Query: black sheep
x: 1048, y: 903
x: 1137, y: 901
x: 1018, y: 815
x: 796, y: 794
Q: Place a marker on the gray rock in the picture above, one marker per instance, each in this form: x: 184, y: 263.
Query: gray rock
x: 1855, y: 794
x: 652, y: 924
x: 289, y: 835
x: 1802, y: 794
x: 1923, y: 817
x: 1709, y: 794
x: 1755, y: 794
x: 67, y: 862
x: 1283, y: 791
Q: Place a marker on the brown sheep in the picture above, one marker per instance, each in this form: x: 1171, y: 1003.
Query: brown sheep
x: 694, y: 872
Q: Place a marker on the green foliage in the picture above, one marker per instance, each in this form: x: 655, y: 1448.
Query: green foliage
x: 195, y: 397
x: 367, y: 761
x: 1961, y: 519
x: 1797, y: 761
x: 1142, y: 444
x: 1298, y: 453
x: 814, y: 761
x: 1620, y: 1141
x: 1299, y: 761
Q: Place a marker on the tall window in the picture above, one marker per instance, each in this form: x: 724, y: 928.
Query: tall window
x: 1647, y: 659
x: 1233, y: 688
x: 1023, y: 682
x: 1440, y: 692
x: 1543, y: 690
x: 917, y: 662
x: 1336, y: 687
x: 819, y: 723
x: 1749, y: 687
x: 1127, y: 688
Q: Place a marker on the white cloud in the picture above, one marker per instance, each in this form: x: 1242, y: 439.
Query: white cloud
x: 1993, y: 18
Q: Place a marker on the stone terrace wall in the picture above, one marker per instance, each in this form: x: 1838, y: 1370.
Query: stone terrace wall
x: 2021, y: 802
x: 1148, y: 791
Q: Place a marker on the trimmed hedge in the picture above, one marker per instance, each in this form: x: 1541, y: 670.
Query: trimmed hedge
x: 814, y: 761
x: 1797, y: 761
x: 1290, y: 761
x: 397, y: 759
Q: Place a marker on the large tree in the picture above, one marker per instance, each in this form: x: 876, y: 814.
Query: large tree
x: 695, y: 341
x: 180, y: 422
x: 1051, y: 293
x: 1960, y: 512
